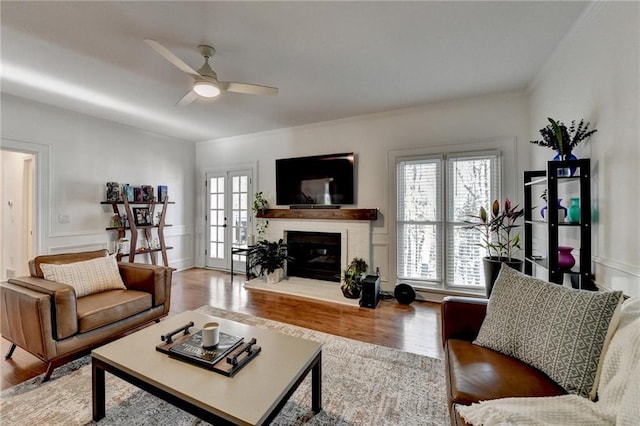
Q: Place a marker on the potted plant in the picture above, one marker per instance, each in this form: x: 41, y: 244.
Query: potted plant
x: 562, y: 140
x: 498, y: 237
x: 260, y: 205
x: 352, y: 276
x: 268, y: 259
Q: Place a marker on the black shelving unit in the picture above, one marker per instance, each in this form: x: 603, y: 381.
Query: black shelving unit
x: 558, y: 180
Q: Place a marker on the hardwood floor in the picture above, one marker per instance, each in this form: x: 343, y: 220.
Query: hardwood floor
x: 412, y: 328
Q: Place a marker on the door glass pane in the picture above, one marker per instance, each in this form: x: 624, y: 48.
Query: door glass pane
x: 239, y: 215
x: 216, y: 217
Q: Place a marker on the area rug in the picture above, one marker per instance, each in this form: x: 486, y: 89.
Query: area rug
x: 325, y: 291
x: 362, y: 384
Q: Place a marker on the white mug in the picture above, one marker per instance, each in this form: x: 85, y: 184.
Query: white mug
x: 210, y: 334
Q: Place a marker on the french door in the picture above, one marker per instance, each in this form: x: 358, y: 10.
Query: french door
x: 228, y: 217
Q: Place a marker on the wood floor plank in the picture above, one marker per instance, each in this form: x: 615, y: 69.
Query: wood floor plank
x: 413, y: 328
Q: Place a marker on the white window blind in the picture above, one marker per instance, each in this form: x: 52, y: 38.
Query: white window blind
x: 435, y: 195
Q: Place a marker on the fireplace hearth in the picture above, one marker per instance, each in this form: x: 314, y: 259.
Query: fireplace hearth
x: 316, y: 255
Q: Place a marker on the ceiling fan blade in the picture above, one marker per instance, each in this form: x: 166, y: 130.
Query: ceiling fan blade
x: 187, y: 99
x: 169, y: 56
x: 251, y: 89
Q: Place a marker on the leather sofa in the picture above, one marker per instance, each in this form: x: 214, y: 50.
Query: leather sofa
x: 474, y: 373
x: 46, y: 319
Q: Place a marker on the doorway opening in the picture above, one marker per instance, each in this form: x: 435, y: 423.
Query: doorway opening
x: 17, y: 212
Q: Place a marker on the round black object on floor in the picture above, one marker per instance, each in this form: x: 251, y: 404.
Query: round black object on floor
x: 405, y: 294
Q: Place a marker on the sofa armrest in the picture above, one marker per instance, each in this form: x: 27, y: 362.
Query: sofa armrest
x: 462, y: 317
x: 64, y: 312
x: 25, y: 320
x: 150, y: 278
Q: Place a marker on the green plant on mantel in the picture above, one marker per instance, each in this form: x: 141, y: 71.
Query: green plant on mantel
x: 260, y: 205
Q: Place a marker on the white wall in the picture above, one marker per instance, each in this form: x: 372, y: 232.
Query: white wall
x: 78, y: 154
x: 372, y: 137
x: 594, y: 74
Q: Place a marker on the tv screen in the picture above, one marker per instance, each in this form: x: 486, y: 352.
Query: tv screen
x: 317, y: 180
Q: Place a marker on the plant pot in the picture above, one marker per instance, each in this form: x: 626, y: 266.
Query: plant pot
x: 569, y: 171
x: 492, y: 265
x: 351, y: 293
x: 275, y: 276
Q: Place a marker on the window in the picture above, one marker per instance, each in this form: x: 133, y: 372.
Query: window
x: 435, y: 195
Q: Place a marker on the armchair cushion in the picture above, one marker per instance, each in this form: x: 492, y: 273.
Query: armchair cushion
x: 86, y: 277
x: 560, y: 331
x: 107, y: 307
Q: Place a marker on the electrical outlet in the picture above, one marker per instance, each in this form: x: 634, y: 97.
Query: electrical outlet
x: 64, y: 218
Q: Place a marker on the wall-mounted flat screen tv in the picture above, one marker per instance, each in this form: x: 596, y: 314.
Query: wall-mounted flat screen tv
x: 317, y: 180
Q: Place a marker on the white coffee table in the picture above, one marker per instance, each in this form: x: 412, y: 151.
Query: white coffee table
x: 254, y: 396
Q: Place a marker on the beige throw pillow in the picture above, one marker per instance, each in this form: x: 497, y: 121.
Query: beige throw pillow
x: 86, y: 277
x: 560, y: 331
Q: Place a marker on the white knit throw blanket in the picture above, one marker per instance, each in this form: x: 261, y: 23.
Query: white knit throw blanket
x: 618, y: 390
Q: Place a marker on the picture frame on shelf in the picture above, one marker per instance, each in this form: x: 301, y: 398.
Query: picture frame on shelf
x: 162, y: 193
x: 138, y: 195
x: 127, y: 191
x: 141, y: 216
x: 147, y: 193
x: 114, y: 191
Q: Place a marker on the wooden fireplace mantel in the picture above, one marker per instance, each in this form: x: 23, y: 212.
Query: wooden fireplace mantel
x: 333, y: 214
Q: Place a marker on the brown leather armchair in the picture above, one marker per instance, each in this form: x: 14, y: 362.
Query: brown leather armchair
x: 46, y: 319
x: 474, y: 373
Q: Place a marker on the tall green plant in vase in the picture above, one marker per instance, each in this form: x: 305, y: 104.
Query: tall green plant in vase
x: 498, y: 237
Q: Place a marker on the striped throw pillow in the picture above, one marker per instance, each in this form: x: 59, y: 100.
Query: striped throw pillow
x: 86, y: 277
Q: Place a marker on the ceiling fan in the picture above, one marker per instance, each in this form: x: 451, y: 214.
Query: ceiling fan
x: 205, y: 80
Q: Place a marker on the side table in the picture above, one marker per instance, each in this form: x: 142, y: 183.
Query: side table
x: 242, y: 251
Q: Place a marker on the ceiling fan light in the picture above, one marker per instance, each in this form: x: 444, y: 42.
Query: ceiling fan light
x: 206, y: 89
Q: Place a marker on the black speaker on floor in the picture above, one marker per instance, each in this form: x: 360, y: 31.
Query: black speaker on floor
x: 370, y: 291
x: 404, y: 294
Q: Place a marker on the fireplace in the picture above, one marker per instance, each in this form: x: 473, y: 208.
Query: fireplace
x: 316, y: 255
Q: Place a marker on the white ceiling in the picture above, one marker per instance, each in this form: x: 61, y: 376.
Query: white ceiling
x: 331, y: 60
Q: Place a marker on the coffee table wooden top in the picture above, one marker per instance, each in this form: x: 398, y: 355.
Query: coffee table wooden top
x: 246, y: 398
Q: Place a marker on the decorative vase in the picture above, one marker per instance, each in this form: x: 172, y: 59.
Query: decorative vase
x: 574, y: 211
x: 562, y: 211
x: 568, y: 157
x: 565, y: 258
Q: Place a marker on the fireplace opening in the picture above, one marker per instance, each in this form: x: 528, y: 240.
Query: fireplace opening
x: 316, y: 255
